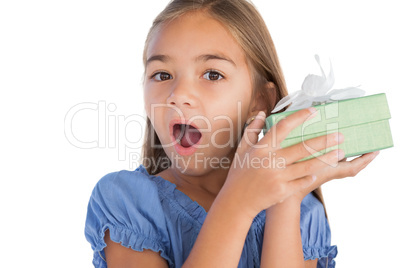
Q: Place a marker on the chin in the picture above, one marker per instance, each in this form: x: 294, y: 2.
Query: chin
x: 197, y: 165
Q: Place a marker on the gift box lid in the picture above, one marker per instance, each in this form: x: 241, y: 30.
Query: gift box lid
x: 337, y: 115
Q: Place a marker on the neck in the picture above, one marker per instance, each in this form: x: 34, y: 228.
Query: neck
x: 209, y: 183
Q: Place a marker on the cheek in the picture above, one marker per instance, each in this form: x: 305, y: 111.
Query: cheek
x: 239, y: 107
x: 246, y: 100
x: 147, y: 105
x: 147, y: 97
x: 151, y: 97
x: 152, y: 113
x: 228, y: 129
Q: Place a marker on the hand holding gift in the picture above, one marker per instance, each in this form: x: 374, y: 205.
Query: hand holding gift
x: 363, y: 121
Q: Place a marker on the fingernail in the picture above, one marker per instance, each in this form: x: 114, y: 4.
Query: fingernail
x: 312, y: 110
x: 338, y: 137
x: 341, y: 138
x: 261, y: 114
x: 341, y: 154
x: 314, y: 178
x: 313, y: 113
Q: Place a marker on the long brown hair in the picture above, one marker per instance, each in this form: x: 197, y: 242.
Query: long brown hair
x: 249, y: 29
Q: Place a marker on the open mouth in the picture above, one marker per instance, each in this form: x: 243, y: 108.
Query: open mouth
x: 186, y: 135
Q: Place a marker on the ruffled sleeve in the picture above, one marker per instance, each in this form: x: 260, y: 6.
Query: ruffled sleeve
x: 126, y: 203
x: 316, y: 234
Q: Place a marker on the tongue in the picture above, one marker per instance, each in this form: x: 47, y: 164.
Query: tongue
x: 190, y: 136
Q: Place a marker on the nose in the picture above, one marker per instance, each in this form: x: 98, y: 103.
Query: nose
x: 182, y: 94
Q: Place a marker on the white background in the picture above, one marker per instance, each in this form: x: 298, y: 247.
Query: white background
x: 57, y: 54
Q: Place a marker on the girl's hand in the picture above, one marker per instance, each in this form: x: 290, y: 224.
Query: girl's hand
x: 263, y: 174
x: 342, y: 170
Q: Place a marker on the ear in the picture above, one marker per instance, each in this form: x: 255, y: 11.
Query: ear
x: 265, y: 100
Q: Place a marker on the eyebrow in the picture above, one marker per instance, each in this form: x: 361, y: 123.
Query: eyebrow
x: 162, y: 58
x: 207, y: 57
x: 204, y: 58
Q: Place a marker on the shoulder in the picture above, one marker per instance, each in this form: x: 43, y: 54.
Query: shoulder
x: 125, y: 186
x: 314, y: 226
x: 315, y: 231
x: 126, y: 178
x: 119, y: 196
x: 127, y: 204
x: 312, y: 210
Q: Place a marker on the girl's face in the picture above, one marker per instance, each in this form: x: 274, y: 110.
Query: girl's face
x: 196, y: 74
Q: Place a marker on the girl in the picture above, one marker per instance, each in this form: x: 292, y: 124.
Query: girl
x: 209, y: 193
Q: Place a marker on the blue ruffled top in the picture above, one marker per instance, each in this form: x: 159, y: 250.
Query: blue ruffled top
x: 143, y: 211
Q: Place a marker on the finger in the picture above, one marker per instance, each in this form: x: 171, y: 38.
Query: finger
x: 314, y: 165
x: 306, y: 148
x: 250, y: 136
x: 281, y: 130
x: 352, y: 168
x: 302, y: 183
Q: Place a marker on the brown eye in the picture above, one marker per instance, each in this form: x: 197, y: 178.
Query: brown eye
x: 213, y: 76
x: 162, y: 76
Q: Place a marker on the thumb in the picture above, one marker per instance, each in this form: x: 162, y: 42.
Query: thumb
x: 250, y: 136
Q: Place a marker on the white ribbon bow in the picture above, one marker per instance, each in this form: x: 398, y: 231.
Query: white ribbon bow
x: 316, y: 90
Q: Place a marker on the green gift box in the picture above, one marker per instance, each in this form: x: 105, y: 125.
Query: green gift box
x: 363, y: 122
